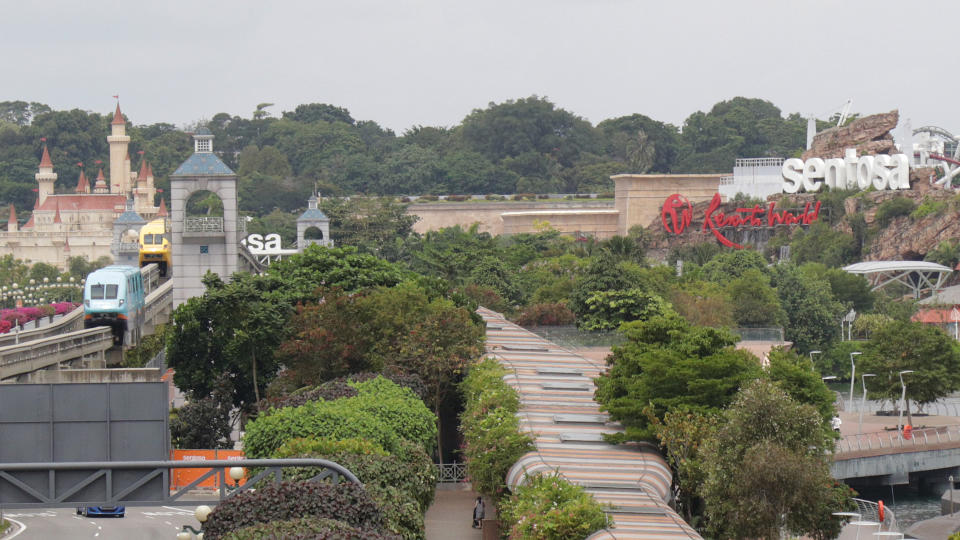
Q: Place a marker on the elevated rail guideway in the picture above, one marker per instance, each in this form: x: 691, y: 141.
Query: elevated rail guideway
x: 66, y: 342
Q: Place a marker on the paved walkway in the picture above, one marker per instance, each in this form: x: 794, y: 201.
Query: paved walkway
x: 451, y: 515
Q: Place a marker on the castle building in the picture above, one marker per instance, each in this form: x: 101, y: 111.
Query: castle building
x: 79, y: 221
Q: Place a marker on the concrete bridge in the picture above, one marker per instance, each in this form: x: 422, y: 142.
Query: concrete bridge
x: 882, y: 456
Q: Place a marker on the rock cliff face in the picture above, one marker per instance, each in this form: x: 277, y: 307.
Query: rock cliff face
x: 869, y: 135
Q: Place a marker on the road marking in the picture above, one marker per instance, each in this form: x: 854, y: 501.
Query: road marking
x: 32, y: 514
x: 168, y: 523
x: 179, y: 510
x: 21, y: 525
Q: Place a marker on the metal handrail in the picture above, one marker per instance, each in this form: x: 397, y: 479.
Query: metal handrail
x: 71, y: 484
x: 203, y: 224
x: 881, y: 440
x: 451, y: 473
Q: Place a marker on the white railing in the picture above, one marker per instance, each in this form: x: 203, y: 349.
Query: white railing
x: 728, y: 180
x: 451, y: 473
x: 759, y: 162
x: 127, y: 247
x: 203, y: 224
x: 870, y: 511
x: 894, y: 440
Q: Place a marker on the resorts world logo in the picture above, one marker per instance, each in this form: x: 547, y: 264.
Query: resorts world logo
x: 677, y: 214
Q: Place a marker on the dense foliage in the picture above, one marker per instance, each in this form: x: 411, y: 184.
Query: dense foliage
x: 346, y: 502
x: 666, y: 363
x: 491, y: 430
x: 381, y: 412
x: 527, y: 145
x: 307, y: 528
x: 548, y: 507
x: 766, y: 468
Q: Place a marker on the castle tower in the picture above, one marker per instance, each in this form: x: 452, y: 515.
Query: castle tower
x: 83, y: 185
x: 202, y: 243
x: 45, y: 177
x: 313, y: 226
x: 12, y: 222
x: 101, y: 185
x: 119, y: 145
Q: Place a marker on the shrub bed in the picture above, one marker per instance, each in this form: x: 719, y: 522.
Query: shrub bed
x: 551, y: 508
x: 341, y: 388
x: 491, y: 430
x: 346, y: 502
x: 307, y: 528
x: 382, y: 412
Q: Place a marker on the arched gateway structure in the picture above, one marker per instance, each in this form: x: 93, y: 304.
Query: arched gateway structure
x: 918, y: 276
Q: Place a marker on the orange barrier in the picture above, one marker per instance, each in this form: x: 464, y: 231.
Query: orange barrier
x: 180, y: 478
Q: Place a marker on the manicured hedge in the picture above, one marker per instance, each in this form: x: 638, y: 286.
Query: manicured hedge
x: 308, y: 528
x: 549, y: 507
x: 410, y: 469
x: 346, y: 502
x: 382, y: 412
x: 339, y: 388
x: 491, y: 430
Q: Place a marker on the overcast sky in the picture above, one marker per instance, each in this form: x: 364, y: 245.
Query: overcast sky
x: 430, y: 62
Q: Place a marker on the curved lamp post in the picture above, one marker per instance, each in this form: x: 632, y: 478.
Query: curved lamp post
x: 903, y: 396
x: 853, y: 375
x: 863, y: 401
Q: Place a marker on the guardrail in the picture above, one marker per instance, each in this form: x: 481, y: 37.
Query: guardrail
x: 69, y: 322
x: 894, y: 440
x: 451, y: 473
x: 870, y: 511
x: 203, y: 224
x: 20, y: 359
x: 158, y: 300
x: 127, y: 482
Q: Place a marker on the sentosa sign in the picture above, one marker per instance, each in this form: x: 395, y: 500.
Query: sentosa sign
x: 880, y: 171
x: 677, y: 215
x: 262, y: 244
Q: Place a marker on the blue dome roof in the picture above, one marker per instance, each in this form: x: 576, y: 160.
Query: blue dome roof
x: 203, y: 164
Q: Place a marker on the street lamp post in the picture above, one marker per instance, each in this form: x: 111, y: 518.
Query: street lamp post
x: 811, y: 359
x: 201, y: 513
x: 853, y: 375
x: 903, y: 396
x: 863, y: 402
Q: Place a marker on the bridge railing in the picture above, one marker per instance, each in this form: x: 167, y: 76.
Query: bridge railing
x: 893, y: 440
x: 67, y: 323
x: 40, y: 354
x: 870, y: 511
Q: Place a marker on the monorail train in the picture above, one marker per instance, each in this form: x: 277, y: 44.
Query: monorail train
x: 155, y: 246
x: 114, y: 296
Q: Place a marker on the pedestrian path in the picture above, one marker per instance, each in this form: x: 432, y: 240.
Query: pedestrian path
x: 451, y: 515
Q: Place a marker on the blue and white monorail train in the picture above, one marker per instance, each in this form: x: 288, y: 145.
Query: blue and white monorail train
x: 114, y: 296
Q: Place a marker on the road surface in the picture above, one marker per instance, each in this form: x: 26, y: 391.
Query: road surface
x: 141, y: 522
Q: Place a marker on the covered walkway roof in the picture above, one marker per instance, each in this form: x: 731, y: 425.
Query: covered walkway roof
x: 918, y: 276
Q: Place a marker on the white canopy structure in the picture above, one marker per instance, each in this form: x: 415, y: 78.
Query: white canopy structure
x: 918, y: 276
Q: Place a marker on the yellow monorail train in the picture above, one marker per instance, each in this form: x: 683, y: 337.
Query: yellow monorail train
x: 155, y: 245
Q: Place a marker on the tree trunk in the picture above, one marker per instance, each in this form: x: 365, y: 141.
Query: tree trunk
x: 256, y: 391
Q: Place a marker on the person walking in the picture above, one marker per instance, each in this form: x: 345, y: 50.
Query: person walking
x: 478, y: 512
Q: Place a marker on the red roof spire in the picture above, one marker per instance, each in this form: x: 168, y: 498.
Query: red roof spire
x: 100, y: 176
x: 83, y: 185
x: 13, y: 214
x: 163, y: 208
x: 56, y: 217
x: 142, y: 176
x: 118, y: 117
x: 66, y: 244
x: 45, y: 160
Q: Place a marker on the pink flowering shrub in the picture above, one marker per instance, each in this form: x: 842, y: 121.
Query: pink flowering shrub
x: 19, y: 316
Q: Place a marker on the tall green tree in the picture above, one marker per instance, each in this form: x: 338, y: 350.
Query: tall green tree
x: 665, y: 364
x: 231, y: 330
x: 767, y: 469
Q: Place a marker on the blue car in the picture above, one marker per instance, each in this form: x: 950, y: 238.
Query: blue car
x: 109, y: 511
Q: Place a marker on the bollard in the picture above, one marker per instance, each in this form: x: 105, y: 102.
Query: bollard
x: 491, y: 529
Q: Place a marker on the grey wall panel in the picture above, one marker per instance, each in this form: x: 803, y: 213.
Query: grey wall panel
x: 24, y: 403
x: 138, y: 401
x: 25, y: 443
x: 135, y: 441
x: 79, y: 402
x: 80, y: 441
